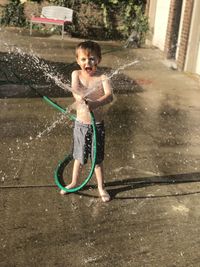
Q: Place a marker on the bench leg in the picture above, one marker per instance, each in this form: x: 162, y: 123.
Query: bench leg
x: 62, y: 31
x: 31, y: 25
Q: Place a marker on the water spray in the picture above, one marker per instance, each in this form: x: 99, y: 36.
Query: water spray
x: 58, y: 174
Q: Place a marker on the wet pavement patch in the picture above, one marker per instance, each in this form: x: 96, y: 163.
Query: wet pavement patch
x: 151, y: 166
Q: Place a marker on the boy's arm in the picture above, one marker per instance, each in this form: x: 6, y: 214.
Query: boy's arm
x: 75, y: 86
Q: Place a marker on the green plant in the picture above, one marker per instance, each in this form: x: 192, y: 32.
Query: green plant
x: 98, y: 19
x: 13, y: 14
x: 134, y: 21
x: 107, y: 18
x: 140, y: 24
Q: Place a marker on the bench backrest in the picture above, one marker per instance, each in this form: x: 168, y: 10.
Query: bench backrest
x: 57, y: 12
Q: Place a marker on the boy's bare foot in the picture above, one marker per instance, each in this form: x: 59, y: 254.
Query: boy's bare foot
x: 105, y: 197
x: 63, y: 192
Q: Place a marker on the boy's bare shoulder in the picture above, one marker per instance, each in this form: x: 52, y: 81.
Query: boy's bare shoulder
x: 75, y: 73
x: 104, y: 77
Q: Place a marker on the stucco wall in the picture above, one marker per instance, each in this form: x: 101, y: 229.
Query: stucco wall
x: 161, y: 21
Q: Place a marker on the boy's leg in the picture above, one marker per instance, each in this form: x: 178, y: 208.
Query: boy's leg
x: 100, y: 183
x: 76, y: 170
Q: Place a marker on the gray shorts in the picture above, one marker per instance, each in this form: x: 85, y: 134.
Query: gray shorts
x: 83, y: 142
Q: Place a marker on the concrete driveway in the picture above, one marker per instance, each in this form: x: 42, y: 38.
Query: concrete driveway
x: 152, y: 163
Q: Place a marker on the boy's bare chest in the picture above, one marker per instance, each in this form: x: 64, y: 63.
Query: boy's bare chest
x: 90, y: 83
x: 91, y: 87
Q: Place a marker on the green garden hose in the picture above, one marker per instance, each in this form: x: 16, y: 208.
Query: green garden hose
x: 60, y: 168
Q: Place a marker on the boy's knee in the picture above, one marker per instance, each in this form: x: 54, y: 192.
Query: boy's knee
x: 98, y: 165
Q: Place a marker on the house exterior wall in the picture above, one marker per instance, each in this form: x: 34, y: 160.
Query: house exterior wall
x: 181, y: 26
x: 151, y: 9
x: 173, y: 25
x: 161, y: 19
x: 180, y: 43
x: 192, y: 61
x: 185, y: 31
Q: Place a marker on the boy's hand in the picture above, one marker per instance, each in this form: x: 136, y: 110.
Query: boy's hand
x: 91, y: 104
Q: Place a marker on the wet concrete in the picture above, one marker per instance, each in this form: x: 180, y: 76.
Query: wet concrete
x: 151, y: 166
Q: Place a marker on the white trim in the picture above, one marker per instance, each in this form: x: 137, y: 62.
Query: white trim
x: 192, y: 55
x: 180, y: 29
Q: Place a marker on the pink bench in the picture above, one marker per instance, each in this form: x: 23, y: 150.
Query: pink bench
x: 55, y: 15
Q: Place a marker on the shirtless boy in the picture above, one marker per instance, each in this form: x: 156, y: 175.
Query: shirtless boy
x: 91, y: 90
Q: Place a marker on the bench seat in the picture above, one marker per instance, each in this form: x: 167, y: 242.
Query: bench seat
x: 54, y: 15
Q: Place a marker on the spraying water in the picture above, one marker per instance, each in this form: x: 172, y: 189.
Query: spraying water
x: 24, y: 60
x: 49, y: 73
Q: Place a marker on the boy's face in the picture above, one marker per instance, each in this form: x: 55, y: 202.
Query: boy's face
x: 88, y: 61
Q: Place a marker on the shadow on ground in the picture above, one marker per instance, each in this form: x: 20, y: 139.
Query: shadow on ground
x: 26, y: 75
x: 124, y: 185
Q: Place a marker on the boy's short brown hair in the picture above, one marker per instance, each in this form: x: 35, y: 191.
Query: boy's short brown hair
x: 90, y: 47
